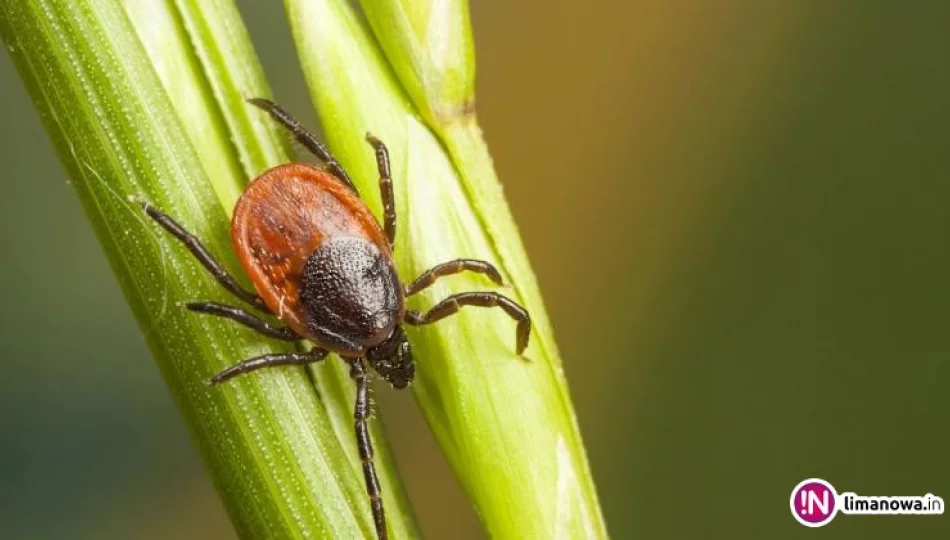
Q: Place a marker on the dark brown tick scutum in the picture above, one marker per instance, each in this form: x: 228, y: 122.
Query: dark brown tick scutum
x: 321, y: 263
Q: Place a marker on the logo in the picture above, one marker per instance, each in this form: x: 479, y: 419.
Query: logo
x: 815, y: 502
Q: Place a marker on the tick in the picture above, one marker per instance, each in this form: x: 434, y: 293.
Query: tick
x: 320, y: 262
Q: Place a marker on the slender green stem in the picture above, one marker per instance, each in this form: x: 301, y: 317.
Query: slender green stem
x: 505, y: 423
x: 145, y: 100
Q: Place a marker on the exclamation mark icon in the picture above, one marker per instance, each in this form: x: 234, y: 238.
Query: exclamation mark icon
x: 813, y: 502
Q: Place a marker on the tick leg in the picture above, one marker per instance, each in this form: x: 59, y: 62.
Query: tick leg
x: 303, y: 136
x: 194, y: 246
x: 360, y: 424
x: 453, y: 267
x: 482, y: 299
x: 268, y: 360
x: 385, y: 187
x: 245, y: 318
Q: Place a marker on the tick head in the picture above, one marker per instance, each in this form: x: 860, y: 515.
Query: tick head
x: 392, y: 359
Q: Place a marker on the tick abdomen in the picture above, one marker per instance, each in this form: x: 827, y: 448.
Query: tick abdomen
x: 283, y: 218
x: 351, y: 295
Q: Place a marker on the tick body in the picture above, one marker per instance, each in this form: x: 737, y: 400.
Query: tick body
x: 322, y: 264
x: 318, y: 259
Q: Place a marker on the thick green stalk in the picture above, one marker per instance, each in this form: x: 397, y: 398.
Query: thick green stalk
x: 505, y: 423
x: 144, y: 99
x: 429, y: 44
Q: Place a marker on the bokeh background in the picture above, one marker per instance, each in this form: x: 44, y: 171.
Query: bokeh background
x: 739, y: 212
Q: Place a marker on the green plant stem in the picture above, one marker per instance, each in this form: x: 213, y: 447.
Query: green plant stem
x: 505, y: 423
x: 160, y: 117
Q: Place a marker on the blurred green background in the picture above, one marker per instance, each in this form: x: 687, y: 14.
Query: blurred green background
x: 739, y: 212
